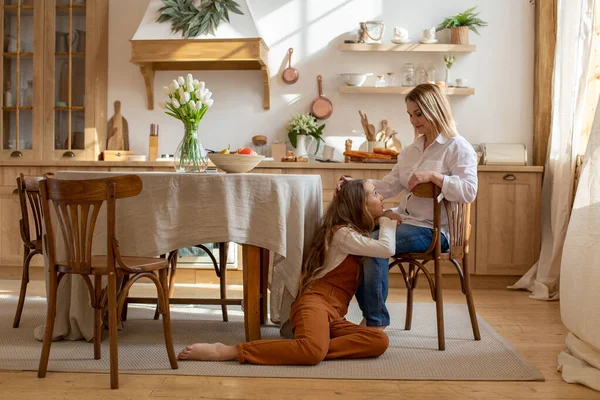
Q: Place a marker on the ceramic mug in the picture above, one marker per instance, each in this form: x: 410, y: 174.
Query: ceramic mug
x: 328, y: 152
x: 461, y: 82
x: 429, y: 34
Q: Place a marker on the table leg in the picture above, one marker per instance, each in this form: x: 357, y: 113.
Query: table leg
x: 264, y: 283
x: 252, y: 277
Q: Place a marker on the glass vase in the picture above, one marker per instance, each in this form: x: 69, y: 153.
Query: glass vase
x: 190, y: 155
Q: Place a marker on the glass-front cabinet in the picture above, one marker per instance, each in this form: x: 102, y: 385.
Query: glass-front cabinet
x: 54, y: 75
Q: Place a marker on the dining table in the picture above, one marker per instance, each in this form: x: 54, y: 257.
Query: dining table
x: 274, y: 213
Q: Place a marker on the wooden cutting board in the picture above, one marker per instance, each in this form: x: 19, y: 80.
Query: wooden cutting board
x: 117, y: 136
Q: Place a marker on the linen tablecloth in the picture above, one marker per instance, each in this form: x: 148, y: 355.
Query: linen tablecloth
x: 174, y: 210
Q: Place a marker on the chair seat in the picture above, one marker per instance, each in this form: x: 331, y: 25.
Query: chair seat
x: 138, y: 264
x: 422, y: 256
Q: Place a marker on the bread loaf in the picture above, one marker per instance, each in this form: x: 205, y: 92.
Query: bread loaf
x: 389, y: 152
x: 364, y: 154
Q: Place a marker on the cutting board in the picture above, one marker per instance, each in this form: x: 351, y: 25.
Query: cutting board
x: 117, y: 135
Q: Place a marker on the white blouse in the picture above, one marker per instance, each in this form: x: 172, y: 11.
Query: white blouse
x: 453, y: 157
x: 347, y: 242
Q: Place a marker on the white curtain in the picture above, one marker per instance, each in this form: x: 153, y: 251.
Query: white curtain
x: 580, y: 274
x: 571, y: 68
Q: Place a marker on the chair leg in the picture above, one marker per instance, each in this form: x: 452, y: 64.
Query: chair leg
x: 50, y: 316
x: 27, y: 255
x: 470, y: 303
x: 409, y: 298
x: 264, y: 283
x: 97, y: 317
x: 223, y: 250
x: 112, y: 330
x: 163, y: 300
x: 439, y: 305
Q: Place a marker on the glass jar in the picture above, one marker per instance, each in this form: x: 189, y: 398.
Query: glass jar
x: 420, y: 75
x: 380, y: 81
x: 408, y: 79
x: 391, y: 79
x: 431, y: 73
x: 29, y: 94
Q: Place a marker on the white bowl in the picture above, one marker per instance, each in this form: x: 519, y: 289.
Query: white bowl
x: 354, y: 78
x: 235, y: 163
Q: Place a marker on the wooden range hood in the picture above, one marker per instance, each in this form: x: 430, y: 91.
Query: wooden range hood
x: 200, y: 54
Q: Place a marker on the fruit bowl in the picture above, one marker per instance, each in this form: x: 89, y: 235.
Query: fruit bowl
x: 235, y: 163
x: 354, y: 79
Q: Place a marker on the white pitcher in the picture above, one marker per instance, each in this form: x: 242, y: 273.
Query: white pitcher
x: 303, y: 142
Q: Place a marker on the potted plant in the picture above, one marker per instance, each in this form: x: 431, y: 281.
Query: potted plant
x: 460, y: 24
x: 302, y: 126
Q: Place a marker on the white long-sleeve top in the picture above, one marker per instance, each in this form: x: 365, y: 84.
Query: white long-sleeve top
x: 347, y: 241
x: 453, y: 157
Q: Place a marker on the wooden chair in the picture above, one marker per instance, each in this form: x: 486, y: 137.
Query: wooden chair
x: 77, y: 205
x: 29, y: 197
x: 458, y: 240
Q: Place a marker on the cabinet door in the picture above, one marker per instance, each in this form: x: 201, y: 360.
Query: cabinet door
x: 11, y: 253
x: 508, y: 222
x: 76, y: 49
x: 21, y: 76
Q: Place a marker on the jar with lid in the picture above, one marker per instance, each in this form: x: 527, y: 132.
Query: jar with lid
x: 431, y: 73
x: 391, y: 79
x: 380, y: 81
x: 420, y: 75
x: 408, y: 79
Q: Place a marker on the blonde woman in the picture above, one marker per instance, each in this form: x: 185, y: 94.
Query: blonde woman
x: 439, y: 155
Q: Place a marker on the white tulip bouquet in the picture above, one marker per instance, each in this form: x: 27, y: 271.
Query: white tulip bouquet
x: 189, y: 100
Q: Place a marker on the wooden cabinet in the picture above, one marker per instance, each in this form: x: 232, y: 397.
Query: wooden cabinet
x: 55, y: 62
x: 508, y: 222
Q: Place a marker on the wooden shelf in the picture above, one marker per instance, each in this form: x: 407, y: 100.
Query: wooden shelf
x: 78, y: 10
x: 416, y: 47
x: 14, y: 108
x: 26, y: 10
x: 65, y: 55
x: 14, y: 55
x: 201, y: 54
x: 453, y: 91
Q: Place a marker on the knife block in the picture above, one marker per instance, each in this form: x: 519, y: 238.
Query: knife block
x: 153, y: 148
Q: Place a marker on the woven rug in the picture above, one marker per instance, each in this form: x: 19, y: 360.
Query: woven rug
x: 412, y: 355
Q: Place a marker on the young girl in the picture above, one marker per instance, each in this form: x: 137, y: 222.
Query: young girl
x: 330, y: 276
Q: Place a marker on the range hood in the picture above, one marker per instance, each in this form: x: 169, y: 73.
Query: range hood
x: 235, y: 46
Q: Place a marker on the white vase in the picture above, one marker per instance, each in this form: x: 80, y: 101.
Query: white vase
x: 301, y: 146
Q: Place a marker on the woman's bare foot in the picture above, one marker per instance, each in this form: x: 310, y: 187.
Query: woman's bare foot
x: 208, y: 352
x: 364, y: 323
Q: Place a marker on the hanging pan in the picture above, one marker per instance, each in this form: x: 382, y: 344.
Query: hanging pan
x: 321, y: 106
x: 290, y: 75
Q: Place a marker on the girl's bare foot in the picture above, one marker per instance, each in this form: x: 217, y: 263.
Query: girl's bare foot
x: 208, y: 352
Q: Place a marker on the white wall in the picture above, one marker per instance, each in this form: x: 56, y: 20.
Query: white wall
x: 501, y: 71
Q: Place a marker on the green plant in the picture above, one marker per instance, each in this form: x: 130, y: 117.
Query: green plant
x: 449, y: 61
x: 305, y: 124
x: 467, y: 18
x: 192, y: 21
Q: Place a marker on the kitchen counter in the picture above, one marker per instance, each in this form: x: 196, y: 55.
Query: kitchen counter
x: 262, y: 165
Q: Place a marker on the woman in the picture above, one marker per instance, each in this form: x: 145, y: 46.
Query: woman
x: 330, y: 276
x: 439, y: 155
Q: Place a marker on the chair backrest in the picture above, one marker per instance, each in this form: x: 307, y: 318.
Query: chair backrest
x: 459, y: 220
x: 29, y: 193
x: 77, y: 204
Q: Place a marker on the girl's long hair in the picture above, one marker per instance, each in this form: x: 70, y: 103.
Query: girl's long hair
x: 435, y: 106
x: 348, y: 208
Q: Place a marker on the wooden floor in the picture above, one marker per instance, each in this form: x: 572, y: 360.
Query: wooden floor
x: 533, y: 327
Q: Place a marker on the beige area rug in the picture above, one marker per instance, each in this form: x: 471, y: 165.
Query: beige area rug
x: 412, y: 355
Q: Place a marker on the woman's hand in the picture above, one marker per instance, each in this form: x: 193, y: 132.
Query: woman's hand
x: 393, y: 216
x: 424, y: 177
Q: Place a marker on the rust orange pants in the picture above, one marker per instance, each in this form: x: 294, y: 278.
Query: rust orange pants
x: 320, y: 330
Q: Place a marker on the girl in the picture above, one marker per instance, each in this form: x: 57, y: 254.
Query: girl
x: 329, y: 279
x: 439, y: 155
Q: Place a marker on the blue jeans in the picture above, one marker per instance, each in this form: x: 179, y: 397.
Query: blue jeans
x: 373, y: 288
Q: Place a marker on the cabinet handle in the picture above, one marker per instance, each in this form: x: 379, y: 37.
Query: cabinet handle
x: 509, y: 177
x: 16, y: 153
x: 69, y: 154
x: 49, y: 173
x: 16, y: 191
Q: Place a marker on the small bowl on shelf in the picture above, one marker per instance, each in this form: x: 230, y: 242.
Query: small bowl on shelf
x: 354, y: 78
x: 235, y: 163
